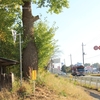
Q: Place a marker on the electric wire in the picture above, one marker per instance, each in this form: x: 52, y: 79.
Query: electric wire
x: 92, y: 56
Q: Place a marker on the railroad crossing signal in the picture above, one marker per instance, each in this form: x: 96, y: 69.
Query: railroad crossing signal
x: 96, y: 47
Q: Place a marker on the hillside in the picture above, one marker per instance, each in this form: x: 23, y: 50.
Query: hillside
x: 48, y: 87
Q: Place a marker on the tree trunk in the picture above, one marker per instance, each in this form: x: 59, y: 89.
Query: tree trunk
x: 29, y: 56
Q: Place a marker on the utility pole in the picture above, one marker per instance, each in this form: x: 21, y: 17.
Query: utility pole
x: 20, y: 58
x: 71, y: 59
x: 14, y: 34
x: 64, y: 62
x: 83, y: 53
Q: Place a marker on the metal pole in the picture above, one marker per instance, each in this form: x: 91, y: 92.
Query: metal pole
x: 14, y: 37
x: 83, y: 53
x: 71, y: 59
x: 64, y: 62
x: 20, y: 59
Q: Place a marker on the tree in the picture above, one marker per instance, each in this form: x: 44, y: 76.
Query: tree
x: 96, y: 65
x: 30, y: 55
x: 64, y: 68
x: 87, y: 64
x: 45, y: 42
x: 9, y: 11
x: 10, y: 15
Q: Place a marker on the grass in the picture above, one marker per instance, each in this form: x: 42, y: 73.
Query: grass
x: 61, y: 86
x: 89, y: 86
x: 95, y: 74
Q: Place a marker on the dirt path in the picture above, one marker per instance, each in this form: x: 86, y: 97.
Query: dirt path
x: 95, y: 94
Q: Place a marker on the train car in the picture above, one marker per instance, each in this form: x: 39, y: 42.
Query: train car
x: 78, y: 69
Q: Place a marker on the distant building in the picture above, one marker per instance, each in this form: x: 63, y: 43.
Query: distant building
x: 88, y: 69
x: 55, y: 66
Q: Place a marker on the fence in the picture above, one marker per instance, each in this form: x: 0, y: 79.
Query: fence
x: 89, y: 81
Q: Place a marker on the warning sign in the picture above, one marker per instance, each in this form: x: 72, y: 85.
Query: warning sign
x: 34, y: 75
x: 96, y: 47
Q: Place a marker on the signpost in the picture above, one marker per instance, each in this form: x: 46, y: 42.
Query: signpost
x: 34, y: 74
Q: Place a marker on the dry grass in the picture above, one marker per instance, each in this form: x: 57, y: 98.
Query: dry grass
x: 95, y: 75
x: 17, y: 92
x: 63, y: 87
x: 48, y: 86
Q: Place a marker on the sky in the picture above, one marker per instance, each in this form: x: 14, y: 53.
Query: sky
x: 80, y: 23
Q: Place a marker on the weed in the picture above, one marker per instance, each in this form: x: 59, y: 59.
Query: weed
x: 22, y: 91
x: 63, y: 93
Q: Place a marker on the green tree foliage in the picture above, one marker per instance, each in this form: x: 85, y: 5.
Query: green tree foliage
x: 54, y: 6
x: 87, y: 64
x: 10, y: 15
x: 9, y: 18
x: 96, y: 65
x: 64, y: 68
x: 68, y: 69
x: 45, y: 43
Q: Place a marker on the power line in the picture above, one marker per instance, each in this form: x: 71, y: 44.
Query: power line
x: 92, y: 57
x: 95, y: 38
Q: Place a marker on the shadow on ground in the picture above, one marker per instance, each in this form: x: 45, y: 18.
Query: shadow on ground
x: 94, y: 94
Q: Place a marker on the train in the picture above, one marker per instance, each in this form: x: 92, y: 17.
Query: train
x: 77, y: 70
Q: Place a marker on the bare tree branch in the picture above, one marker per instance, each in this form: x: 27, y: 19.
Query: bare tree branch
x: 35, y: 18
